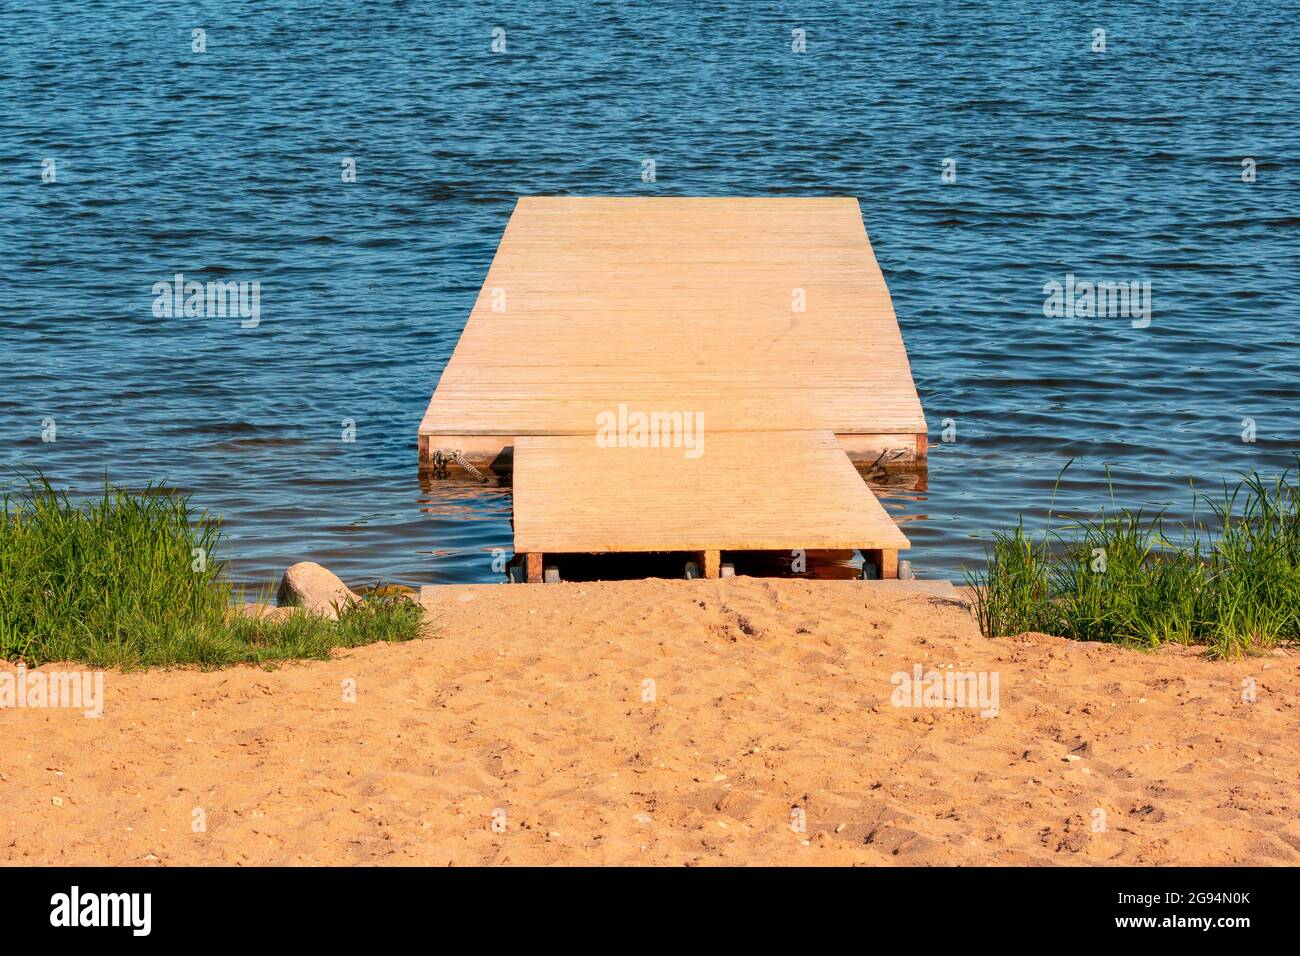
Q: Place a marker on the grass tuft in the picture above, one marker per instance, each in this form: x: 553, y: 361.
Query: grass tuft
x: 129, y: 579
x: 1232, y: 584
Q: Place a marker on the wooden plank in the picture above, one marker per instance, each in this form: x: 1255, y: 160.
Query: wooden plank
x: 680, y: 303
x: 746, y: 491
x: 533, y: 567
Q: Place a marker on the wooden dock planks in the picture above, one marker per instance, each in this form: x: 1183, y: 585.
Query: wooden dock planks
x: 680, y: 303
x: 768, y: 319
x: 748, y: 491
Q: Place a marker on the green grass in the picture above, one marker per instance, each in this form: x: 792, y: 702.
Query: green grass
x: 129, y: 580
x: 1231, y: 583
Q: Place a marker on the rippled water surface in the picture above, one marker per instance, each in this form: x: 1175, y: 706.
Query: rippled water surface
x: 1116, y: 165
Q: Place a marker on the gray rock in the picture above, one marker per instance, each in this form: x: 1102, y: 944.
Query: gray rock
x: 315, y: 589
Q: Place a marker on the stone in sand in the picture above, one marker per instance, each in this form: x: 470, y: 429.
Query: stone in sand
x: 315, y: 589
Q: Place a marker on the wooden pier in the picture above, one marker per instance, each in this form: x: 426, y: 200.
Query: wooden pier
x: 765, y: 322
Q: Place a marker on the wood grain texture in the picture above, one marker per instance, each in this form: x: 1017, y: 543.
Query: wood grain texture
x: 748, y: 491
x: 680, y: 304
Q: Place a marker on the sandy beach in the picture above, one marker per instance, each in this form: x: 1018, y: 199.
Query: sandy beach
x: 745, y: 721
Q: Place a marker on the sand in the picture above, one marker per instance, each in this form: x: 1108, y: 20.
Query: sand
x: 772, y: 707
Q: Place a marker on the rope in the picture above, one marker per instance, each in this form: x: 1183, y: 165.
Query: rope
x: 441, y: 457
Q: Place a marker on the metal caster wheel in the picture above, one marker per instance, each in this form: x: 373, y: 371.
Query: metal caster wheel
x: 551, y: 575
x: 727, y: 571
x: 905, y: 572
x: 692, y: 571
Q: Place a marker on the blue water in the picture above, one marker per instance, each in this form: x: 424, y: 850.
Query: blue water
x: 1122, y: 165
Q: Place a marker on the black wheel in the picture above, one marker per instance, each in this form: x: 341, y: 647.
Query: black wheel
x: 870, y: 572
x: 692, y: 570
x: 518, y: 574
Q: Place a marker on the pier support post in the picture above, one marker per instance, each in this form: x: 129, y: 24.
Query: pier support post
x: 533, y: 566
x: 886, y: 561
x: 710, y: 563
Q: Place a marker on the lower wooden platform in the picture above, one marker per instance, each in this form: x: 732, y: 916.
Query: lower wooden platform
x: 747, y: 491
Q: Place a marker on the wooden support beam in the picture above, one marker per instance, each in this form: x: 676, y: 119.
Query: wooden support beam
x: 884, y: 559
x: 710, y: 563
x: 481, y: 451
x: 922, y: 447
x: 889, y: 565
x: 533, y: 565
x: 901, y: 450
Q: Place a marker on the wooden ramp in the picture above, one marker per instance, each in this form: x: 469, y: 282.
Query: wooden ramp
x: 747, y: 491
x: 767, y: 317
